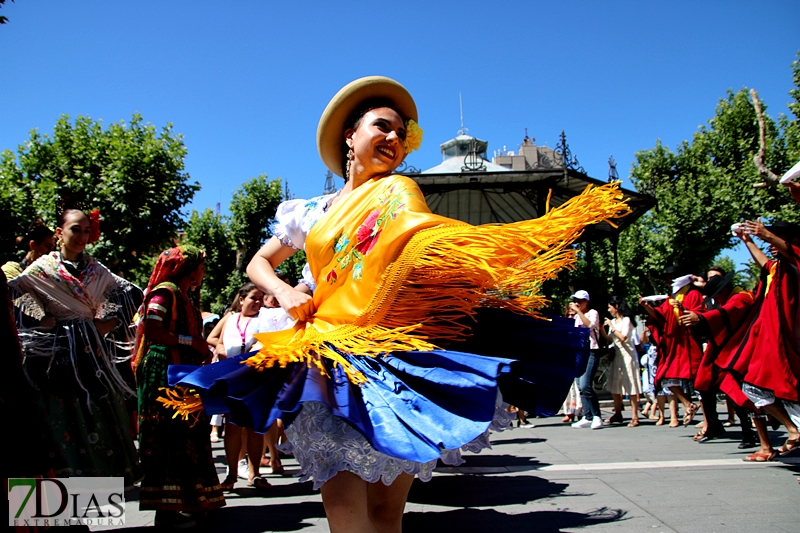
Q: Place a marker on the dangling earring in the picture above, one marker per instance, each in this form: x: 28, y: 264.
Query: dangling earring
x: 351, y: 155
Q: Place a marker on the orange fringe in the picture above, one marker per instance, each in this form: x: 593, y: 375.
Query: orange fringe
x: 444, y: 274
x: 186, y: 403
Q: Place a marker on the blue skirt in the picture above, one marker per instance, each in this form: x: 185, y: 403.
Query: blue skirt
x: 415, y: 404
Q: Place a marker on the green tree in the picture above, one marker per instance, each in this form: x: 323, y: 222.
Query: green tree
x: 253, y: 210
x: 132, y: 174
x: 702, y: 188
x: 211, y: 232
x: 230, y: 242
x: 3, y: 20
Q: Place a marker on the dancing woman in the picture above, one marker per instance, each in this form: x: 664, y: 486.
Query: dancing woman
x: 368, y: 400
x: 73, y: 317
x: 179, y: 473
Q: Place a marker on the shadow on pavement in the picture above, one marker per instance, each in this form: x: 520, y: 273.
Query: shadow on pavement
x: 482, y: 520
x: 499, y: 461
x: 483, y: 491
x: 531, y: 440
x: 256, y: 518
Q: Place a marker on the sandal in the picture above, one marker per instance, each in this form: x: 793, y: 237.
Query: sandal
x: 616, y: 419
x: 690, y: 411
x: 230, y: 481
x: 259, y: 482
x: 759, y: 457
x: 633, y: 423
x: 277, y: 467
x: 674, y: 424
x: 700, y: 434
x: 788, y: 447
x: 660, y: 421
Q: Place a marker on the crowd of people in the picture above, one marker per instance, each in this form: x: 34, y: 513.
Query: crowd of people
x: 346, y: 361
x: 707, y: 337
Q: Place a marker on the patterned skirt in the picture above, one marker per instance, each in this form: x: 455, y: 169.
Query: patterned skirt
x: 179, y: 470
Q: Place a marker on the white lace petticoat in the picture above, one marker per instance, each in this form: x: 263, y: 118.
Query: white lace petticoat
x: 325, y: 444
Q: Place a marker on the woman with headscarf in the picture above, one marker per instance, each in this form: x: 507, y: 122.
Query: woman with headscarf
x: 368, y: 399
x: 179, y: 473
x: 73, y: 317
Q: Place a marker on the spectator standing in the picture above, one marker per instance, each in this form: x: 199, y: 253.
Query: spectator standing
x: 624, y: 375
x: 37, y: 242
x: 588, y: 318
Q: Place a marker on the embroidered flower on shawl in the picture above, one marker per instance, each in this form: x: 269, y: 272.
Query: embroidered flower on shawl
x: 392, y: 203
x: 357, y: 271
x: 341, y: 243
x: 331, y: 277
x: 413, y: 136
x: 368, y: 233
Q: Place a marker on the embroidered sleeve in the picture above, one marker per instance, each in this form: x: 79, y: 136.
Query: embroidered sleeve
x: 158, y: 307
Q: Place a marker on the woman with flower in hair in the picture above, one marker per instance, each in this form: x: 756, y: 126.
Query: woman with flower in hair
x: 73, y: 317
x: 368, y: 399
x: 179, y: 473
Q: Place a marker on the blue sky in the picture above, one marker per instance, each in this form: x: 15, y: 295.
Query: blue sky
x: 245, y: 82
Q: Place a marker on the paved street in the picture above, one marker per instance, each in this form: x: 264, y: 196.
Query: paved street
x: 554, y: 478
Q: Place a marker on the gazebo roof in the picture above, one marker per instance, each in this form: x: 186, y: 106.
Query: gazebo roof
x: 514, y: 187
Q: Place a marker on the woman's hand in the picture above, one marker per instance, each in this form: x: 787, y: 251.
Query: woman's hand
x: 758, y: 229
x: 299, y: 305
x: 220, y: 354
x: 689, y: 318
x: 106, y: 325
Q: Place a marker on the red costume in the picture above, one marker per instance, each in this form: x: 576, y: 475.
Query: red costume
x: 769, y: 357
x: 726, y: 326
x: 679, y: 353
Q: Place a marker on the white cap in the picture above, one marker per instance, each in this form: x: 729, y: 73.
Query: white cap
x: 581, y: 295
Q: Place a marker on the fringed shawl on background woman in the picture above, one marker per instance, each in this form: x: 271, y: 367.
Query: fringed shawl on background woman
x: 391, y: 275
x: 47, y: 288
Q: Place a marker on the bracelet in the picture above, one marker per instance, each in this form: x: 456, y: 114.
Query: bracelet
x: 186, y: 340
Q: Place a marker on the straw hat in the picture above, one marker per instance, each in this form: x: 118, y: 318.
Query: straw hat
x: 330, y: 132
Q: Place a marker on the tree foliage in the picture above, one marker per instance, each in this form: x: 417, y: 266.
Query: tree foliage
x: 210, y: 232
x: 701, y: 188
x: 230, y: 242
x: 3, y: 20
x: 132, y: 174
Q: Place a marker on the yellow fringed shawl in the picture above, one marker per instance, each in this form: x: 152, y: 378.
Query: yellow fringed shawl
x: 390, y: 274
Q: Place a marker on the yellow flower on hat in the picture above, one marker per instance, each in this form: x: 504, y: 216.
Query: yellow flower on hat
x: 413, y: 136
